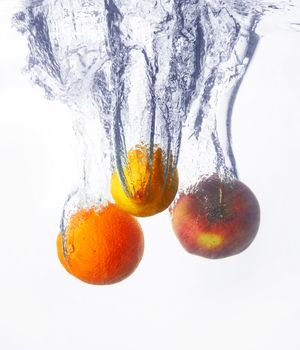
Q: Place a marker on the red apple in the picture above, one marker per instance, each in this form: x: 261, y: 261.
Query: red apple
x: 216, y: 218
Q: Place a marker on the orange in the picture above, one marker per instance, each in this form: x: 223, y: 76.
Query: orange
x: 151, y: 186
x: 101, y: 246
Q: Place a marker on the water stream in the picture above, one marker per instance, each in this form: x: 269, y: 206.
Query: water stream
x: 145, y: 72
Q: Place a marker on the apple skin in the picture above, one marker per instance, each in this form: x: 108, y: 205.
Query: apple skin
x: 216, y: 219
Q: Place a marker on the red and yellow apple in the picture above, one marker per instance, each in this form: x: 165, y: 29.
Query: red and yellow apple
x: 216, y: 218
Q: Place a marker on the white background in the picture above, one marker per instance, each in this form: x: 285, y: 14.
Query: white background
x: 174, y: 300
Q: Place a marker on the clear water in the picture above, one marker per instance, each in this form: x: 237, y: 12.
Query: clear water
x: 147, y: 72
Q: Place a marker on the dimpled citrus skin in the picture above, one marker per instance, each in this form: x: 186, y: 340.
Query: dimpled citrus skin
x: 102, y: 247
x: 145, y: 200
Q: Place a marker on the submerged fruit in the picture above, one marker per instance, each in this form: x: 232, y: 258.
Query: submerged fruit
x: 151, y: 186
x: 216, y: 219
x: 102, y: 246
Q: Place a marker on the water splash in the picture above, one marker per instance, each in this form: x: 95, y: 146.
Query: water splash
x: 145, y: 72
